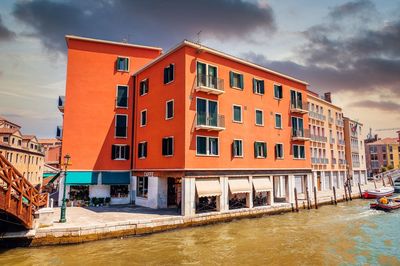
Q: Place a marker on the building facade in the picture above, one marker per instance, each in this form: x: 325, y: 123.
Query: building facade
x: 24, y: 152
x: 355, y: 151
x: 382, y: 154
x: 327, y: 146
x: 52, y: 152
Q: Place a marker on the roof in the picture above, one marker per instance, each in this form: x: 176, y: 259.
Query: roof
x: 28, y: 136
x: 315, y: 96
x: 384, y: 141
x: 218, y: 53
x: 68, y: 37
x: 2, y: 118
x: 49, y: 141
x: 5, y: 130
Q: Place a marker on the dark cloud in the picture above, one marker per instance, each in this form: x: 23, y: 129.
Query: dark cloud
x: 350, y: 9
x: 153, y: 22
x: 381, y: 105
x: 5, y: 34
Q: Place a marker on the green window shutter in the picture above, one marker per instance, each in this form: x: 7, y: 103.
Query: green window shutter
x: 147, y: 85
x: 255, y: 149
x: 127, y: 152
x: 302, y: 154
x: 165, y: 75
x: 262, y: 87
x: 172, y: 69
x: 296, y: 151
x: 113, y: 148
x: 234, y: 148
x: 231, y: 78
x: 264, y: 145
x: 254, y: 85
x: 241, y: 81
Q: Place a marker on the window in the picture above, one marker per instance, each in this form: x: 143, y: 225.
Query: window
x: 259, y: 117
x: 206, y: 146
x: 297, y: 127
x: 207, y: 76
x: 143, y: 118
x: 169, y: 109
x: 258, y: 86
x: 19, y: 142
x: 5, y: 139
x: 12, y: 141
x: 144, y: 87
x: 119, y: 152
x: 142, y: 186
x: 142, y: 150
x: 122, y: 96
x: 237, y: 148
x: 237, y: 113
x: 279, y: 151
x: 168, y: 146
x: 260, y: 149
x: 278, y: 121
x: 296, y: 99
x: 207, y: 112
x: 278, y: 94
x: 236, y: 80
x: 122, y: 64
x: 299, y: 152
x: 121, y: 124
x: 169, y: 74
x: 119, y: 191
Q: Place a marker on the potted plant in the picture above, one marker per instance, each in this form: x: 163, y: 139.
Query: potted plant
x: 107, y: 201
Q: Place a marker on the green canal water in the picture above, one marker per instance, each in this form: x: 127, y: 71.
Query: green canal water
x: 346, y: 234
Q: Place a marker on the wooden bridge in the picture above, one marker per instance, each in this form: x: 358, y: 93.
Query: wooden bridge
x: 18, y: 197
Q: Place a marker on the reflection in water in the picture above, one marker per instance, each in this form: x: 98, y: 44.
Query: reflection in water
x: 349, y: 233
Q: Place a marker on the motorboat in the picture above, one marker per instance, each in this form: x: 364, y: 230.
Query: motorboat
x: 378, y: 192
x: 385, y: 204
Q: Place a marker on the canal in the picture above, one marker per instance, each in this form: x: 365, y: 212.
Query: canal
x: 346, y: 234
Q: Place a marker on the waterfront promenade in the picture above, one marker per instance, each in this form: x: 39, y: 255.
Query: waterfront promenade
x: 94, y: 223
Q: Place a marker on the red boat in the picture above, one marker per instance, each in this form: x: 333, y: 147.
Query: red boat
x: 378, y: 193
x: 385, y: 204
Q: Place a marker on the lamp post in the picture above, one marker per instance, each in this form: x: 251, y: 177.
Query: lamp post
x: 64, y: 204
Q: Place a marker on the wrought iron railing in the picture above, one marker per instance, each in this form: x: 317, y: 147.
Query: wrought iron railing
x: 213, y: 120
x: 210, y: 81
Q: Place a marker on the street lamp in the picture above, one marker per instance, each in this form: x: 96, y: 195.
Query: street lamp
x: 64, y: 204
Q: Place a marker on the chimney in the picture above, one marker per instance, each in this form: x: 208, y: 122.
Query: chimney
x: 376, y: 136
x: 327, y: 97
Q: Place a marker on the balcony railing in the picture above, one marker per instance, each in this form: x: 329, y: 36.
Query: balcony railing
x: 330, y: 120
x: 300, y: 134
x: 210, y: 123
x: 332, y: 140
x: 342, y: 161
x: 356, y: 164
x: 339, y: 122
x: 61, y: 102
x: 318, y: 138
x: 209, y: 84
x: 341, y: 142
x: 298, y: 107
x: 324, y: 160
x: 333, y: 161
x: 317, y: 116
x: 59, y: 132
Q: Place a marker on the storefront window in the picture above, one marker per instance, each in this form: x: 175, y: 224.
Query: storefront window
x: 79, y: 193
x: 119, y: 191
x: 142, y: 186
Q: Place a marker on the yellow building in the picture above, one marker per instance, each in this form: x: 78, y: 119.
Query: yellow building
x: 23, y: 151
x: 327, y: 147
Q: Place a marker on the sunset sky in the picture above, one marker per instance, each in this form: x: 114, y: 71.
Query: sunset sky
x: 351, y: 48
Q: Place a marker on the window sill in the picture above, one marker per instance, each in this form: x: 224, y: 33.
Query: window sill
x: 120, y: 159
x: 169, y: 82
x: 143, y: 125
x: 237, y: 88
x: 170, y: 118
x: 261, y: 157
x: 237, y: 122
x: 121, y: 107
x: 278, y: 99
x: 258, y: 125
x: 118, y: 137
x: 280, y: 158
x: 168, y: 155
x: 260, y: 94
x: 142, y: 158
x: 123, y: 71
x: 238, y: 157
x: 143, y: 94
x: 280, y: 128
x: 206, y: 155
x: 299, y: 159
x: 143, y: 198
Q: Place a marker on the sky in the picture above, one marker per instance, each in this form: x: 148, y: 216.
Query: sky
x: 349, y: 48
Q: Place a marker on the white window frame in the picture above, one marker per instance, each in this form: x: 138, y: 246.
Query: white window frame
x: 119, y: 158
x: 142, y: 157
x: 266, y: 149
x: 207, y: 65
x: 207, y: 109
x: 280, y: 114
x: 283, y: 151
x: 239, y: 156
x: 141, y: 118
x: 276, y: 98
x: 147, y: 87
x: 255, y: 117
x: 137, y: 186
x: 173, y: 74
x: 173, y: 144
x: 166, y: 109
x: 208, y: 146
x: 261, y: 80
x: 238, y: 73
x: 126, y: 126
x: 233, y: 113
x: 127, y: 96
x: 305, y: 156
x: 124, y: 57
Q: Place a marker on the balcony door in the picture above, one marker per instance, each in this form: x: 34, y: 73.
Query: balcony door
x: 297, y: 126
x: 296, y: 99
x: 207, y: 112
x: 206, y: 75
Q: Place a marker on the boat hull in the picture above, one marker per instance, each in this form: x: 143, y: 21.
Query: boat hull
x: 373, y: 194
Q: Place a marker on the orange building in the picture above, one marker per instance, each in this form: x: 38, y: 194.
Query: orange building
x: 98, y: 116
x: 192, y: 128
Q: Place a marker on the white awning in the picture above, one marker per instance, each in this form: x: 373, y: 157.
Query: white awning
x: 239, y: 185
x: 262, y: 184
x: 208, y: 187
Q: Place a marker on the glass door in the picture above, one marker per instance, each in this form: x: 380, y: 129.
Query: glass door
x: 201, y: 108
x: 212, y: 77
x: 212, y: 113
x: 201, y: 74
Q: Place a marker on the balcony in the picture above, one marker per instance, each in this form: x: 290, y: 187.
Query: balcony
x: 300, y: 134
x: 330, y: 120
x: 316, y: 116
x: 209, y: 84
x: 341, y: 142
x: 332, y: 140
x: 315, y: 160
x: 342, y: 161
x: 356, y: 164
x: 59, y: 132
x: 324, y: 160
x: 318, y: 138
x: 298, y: 107
x: 61, y: 103
x: 211, y: 123
x: 339, y: 122
x: 333, y: 161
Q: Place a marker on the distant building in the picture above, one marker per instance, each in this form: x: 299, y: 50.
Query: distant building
x: 382, y: 153
x: 355, y: 151
x: 52, y: 152
x: 24, y: 152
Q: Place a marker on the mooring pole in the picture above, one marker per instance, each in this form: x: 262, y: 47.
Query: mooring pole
x: 315, y: 198
x: 349, y: 187
x: 359, y: 188
x: 375, y: 184
x: 345, y: 191
x: 295, y: 198
x: 308, y: 198
x: 334, y: 194
x: 383, y: 181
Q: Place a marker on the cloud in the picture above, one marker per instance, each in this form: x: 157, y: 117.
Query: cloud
x: 388, y: 106
x: 350, y: 9
x: 153, y: 22
x: 5, y: 33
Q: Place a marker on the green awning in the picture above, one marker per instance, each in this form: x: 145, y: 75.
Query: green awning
x: 115, y: 178
x: 46, y: 175
x: 79, y: 178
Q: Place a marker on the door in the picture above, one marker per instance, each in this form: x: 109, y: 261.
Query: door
x: 213, y: 113
x: 171, y: 192
x: 212, y: 77
x: 201, y: 74
x: 201, y: 108
x: 293, y: 98
x: 319, y: 181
